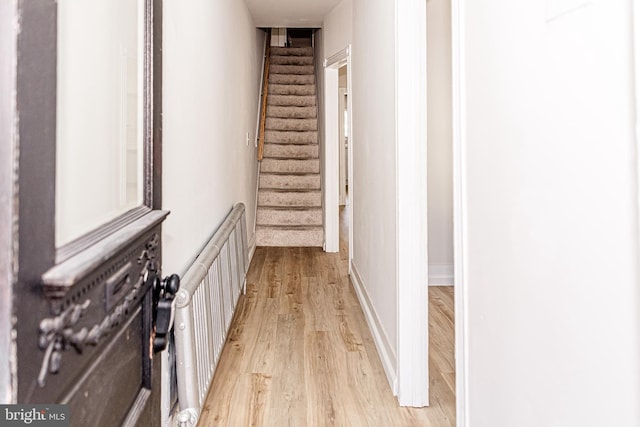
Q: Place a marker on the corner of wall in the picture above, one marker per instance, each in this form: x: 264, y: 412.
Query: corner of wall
x: 441, y: 275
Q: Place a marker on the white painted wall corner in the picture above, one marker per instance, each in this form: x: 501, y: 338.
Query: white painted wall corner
x: 441, y: 275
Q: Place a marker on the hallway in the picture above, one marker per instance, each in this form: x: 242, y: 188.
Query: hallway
x: 300, y: 353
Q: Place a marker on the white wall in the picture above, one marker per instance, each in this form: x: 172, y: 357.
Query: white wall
x: 440, y: 142
x: 338, y: 28
x: 374, y: 169
x: 551, y: 215
x: 211, y: 88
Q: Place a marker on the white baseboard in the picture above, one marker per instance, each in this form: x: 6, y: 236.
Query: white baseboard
x: 385, y: 349
x: 252, y: 247
x: 441, y: 275
x: 252, y: 251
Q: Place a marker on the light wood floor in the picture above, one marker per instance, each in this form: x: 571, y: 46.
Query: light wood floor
x: 299, y: 352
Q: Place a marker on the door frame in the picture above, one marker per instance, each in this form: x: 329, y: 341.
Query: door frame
x: 411, y: 205
x: 342, y: 92
x: 409, y: 30
x: 459, y: 212
x: 331, y: 151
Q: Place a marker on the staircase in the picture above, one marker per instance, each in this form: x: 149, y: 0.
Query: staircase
x: 289, y: 194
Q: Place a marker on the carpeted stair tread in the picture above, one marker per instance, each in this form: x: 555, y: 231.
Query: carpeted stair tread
x: 290, y: 236
x: 291, y: 137
x: 291, y: 69
x: 289, y: 194
x: 291, y: 112
x: 273, y: 182
x: 275, y: 123
x: 291, y: 100
x: 290, y: 166
x: 291, y: 51
x: 290, y: 60
x: 291, y: 151
x: 291, y: 79
x: 276, y: 89
x: 289, y: 198
x: 289, y: 217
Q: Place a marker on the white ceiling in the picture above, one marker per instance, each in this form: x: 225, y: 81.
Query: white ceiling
x: 290, y: 13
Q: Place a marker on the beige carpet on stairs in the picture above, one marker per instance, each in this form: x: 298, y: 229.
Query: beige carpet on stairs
x: 289, y: 193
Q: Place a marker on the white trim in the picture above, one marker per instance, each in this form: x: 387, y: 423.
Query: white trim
x: 459, y: 213
x: 331, y: 161
x: 331, y: 152
x: 252, y: 247
x: 441, y: 275
x: 350, y: 152
x: 383, y: 345
x: 343, y: 179
x: 411, y: 207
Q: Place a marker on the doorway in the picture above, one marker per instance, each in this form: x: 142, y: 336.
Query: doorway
x: 338, y: 149
x: 343, y: 136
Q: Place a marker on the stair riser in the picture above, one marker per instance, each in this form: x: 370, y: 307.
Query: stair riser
x: 283, y: 199
x: 274, y: 111
x: 291, y: 79
x: 291, y: 124
x: 290, y: 217
x: 291, y: 151
x: 289, y: 182
x: 295, y: 238
x: 291, y: 60
x: 291, y: 100
x: 290, y: 166
x: 300, y: 90
x: 279, y: 137
x: 291, y: 51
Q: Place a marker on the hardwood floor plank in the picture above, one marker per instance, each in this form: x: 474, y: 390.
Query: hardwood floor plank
x: 324, y: 408
x: 292, y: 276
x: 257, y: 263
x: 367, y: 394
x: 249, y: 401
x: 262, y: 347
x: 309, y: 267
x: 217, y: 408
x: 272, y: 272
x: 300, y: 352
x: 288, y: 401
x: 315, y: 310
x: 350, y: 340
